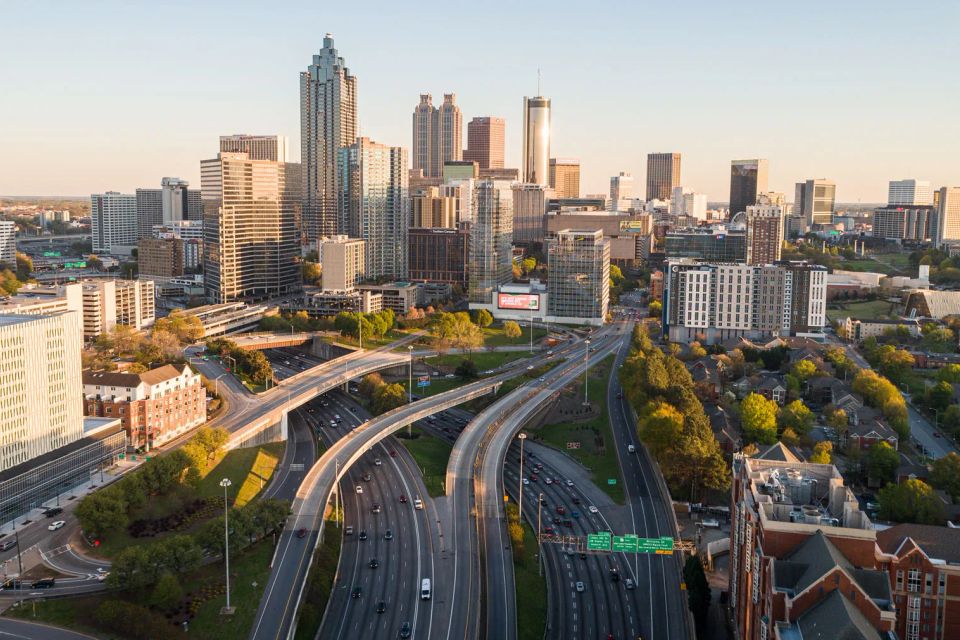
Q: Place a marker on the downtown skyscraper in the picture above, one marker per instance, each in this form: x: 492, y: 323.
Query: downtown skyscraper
x: 437, y: 134
x: 536, y: 141
x: 663, y: 174
x: 485, y: 142
x: 748, y: 179
x: 328, y: 123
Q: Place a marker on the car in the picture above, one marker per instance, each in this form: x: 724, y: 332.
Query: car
x: 367, y: 477
x: 43, y: 583
x: 56, y: 525
x: 449, y: 375
x: 363, y: 534
x: 103, y: 576
x: 542, y: 379
x: 583, y: 556
x: 301, y: 532
x: 333, y: 425
x: 569, y: 483
x: 405, y: 630
x: 53, y: 511
x: 377, y: 462
x: 556, y: 520
x: 629, y: 584
x: 418, y: 504
x: 393, y: 453
x: 525, y: 481
x: 381, y: 606
x: 530, y: 368
x: 548, y: 530
x: 349, y: 530
x: 631, y: 448
x: 359, y: 489
x: 548, y: 480
x: 9, y: 543
x: 375, y: 508
x: 337, y: 417
x: 614, y: 575
x: 356, y: 593
x: 373, y: 564
x: 619, y: 395
x: 568, y: 523
x: 593, y: 509
x: 388, y: 535
x: 936, y: 434
x: 575, y: 500
x: 403, y: 499
x: 561, y: 510
x: 487, y: 372
x: 580, y: 587
x: 575, y: 514
x: 534, y: 477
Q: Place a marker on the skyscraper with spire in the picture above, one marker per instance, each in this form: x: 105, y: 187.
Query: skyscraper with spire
x: 437, y: 134
x: 328, y: 123
x: 536, y: 140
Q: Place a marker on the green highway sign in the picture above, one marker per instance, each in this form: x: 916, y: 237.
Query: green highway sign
x: 662, y: 545
x: 611, y: 481
x: 598, y: 541
x: 625, y: 544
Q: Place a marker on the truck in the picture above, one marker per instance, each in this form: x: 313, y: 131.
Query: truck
x: 425, y: 589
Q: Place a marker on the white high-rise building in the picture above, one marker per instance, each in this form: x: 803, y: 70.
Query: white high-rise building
x: 687, y: 202
x: 113, y: 221
x: 257, y: 147
x: 536, y: 141
x: 621, y: 186
x: 343, y: 263
x: 491, y: 236
x: 8, y: 243
x: 41, y: 394
x: 174, y: 199
x: 948, y: 217
x: 909, y: 192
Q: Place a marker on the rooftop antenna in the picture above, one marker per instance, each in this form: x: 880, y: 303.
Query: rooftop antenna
x: 538, y: 81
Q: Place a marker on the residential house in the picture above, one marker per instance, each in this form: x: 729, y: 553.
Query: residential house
x: 725, y: 428
x: 707, y: 377
x: 867, y: 427
x: 772, y: 388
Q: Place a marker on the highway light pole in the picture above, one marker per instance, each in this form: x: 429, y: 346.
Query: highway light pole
x: 216, y: 385
x: 531, y: 328
x: 522, y: 437
x: 410, y: 389
x: 225, y: 483
x: 539, y: 543
x: 586, y: 374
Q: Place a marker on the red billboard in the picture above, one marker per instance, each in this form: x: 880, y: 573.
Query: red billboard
x: 524, y: 301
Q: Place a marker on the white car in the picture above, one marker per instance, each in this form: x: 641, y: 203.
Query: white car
x: 56, y: 525
x: 103, y: 576
x: 569, y: 483
x: 418, y: 504
x: 580, y: 587
x: 377, y: 462
x: 359, y: 489
x: 525, y: 481
x: 548, y: 480
x: 593, y: 509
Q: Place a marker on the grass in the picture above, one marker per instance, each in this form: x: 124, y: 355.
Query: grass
x: 865, y: 310
x: 243, y: 466
x: 432, y: 455
x: 531, y: 589
x: 601, y: 461
x: 372, y: 343
x: 863, y: 264
x: 319, y: 583
x: 494, y: 336
x: 483, y: 359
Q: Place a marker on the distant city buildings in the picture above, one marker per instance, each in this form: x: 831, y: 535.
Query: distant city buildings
x: 948, y: 216
x: 439, y: 255
x: 437, y: 134
x: 536, y: 140
x: 344, y: 263
x: 160, y: 258
x: 491, y: 236
x: 486, y: 142
x: 578, y: 277
x: 687, y: 202
x: 718, y: 243
x: 257, y: 147
x: 374, y: 197
x: 626, y: 233
x: 328, y: 123
x: 430, y: 209
x: 173, y: 202
x: 748, y: 178
x: 663, y: 175
x: 8, y: 243
x: 911, y: 224
x: 113, y: 218
x: 565, y: 177
x: 909, y: 192
x: 621, y: 188
x: 764, y: 233
x: 814, y: 202
x: 529, y: 207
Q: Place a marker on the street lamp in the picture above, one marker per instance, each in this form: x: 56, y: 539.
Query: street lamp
x: 539, y: 541
x: 586, y: 372
x: 531, y: 328
x: 216, y: 385
x: 225, y: 483
x: 522, y: 437
x: 410, y: 389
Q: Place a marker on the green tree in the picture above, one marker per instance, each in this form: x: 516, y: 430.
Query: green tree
x: 698, y: 592
x: 759, y: 418
x: 102, y: 512
x: 655, y: 308
x: 803, y: 370
x: 796, y: 416
x: 659, y: 427
x: 822, y: 452
x: 389, y: 397
x: 882, y: 462
x: 938, y: 339
x: 949, y: 374
x: 167, y: 593
x: 482, y: 318
x: 616, y: 274
x: 467, y: 369
x: 24, y: 266
x: 911, y: 501
x: 370, y: 384
x: 311, y: 272
x: 945, y: 475
x: 697, y: 351
x: 939, y: 396
x: 529, y: 264
x: 511, y: 329
x: 894, y: 363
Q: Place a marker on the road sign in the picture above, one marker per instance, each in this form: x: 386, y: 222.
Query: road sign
x: 611, y: 481
x: 573, y: 445
x: 625, y: 544
x: 662, y: 545
x: 423, y: 381
x: 599, y: 541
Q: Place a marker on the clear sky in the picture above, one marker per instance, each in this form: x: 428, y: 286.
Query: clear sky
x: 102, y: 95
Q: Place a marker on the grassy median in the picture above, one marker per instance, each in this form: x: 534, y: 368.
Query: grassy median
x: 319, y: 583
x: 531, y: 588
x: 431, y: 454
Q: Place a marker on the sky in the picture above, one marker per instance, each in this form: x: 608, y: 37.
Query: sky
x: 98, y: 95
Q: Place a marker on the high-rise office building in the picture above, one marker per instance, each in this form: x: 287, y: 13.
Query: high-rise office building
x: 460, y: 170
x: 909, y: 192
x: 328, y: 123
x: 113, y: 221
x: 8, y: 243
x: 42, y: 391
x: 256, y: 147
x: 437, y: 134
x: 429, y: 209
x: 343, y: 260
x: 814, y: 202
x: 439, y: 255
x: 565, y: 177
x: 764, y: 233
x: 374, y: 196
x: 462, y: 192
x: 173, y: 193
x: 529, y: 207
x: 914, y: 224
x: 687, y: 202
x: 578, y: 276
x: 491, y: 236
x: 149, y: 211
x: 485, y: 142
x: 251, y: 240
x: 536, y: 140
x: 173, y: 202
x: 719, y: 243
x: 663, y: 174
x: 424, y: 136
x: 621, y: 188
x: 450, y: 131
x: 160, y: 258
x: 948, y: 216
x: 748, y: 178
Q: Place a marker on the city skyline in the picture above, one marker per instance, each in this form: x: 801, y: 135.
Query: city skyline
x: 171, y: 98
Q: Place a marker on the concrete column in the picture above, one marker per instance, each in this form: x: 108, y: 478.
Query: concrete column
x: 284, y: 427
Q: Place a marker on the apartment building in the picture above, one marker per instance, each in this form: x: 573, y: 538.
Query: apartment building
x: 578, y: 277
x: 154, y: 406
x: 343, y: 263
x: 439, y: 255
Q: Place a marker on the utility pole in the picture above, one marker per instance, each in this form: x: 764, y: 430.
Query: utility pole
x: 410, y: 389
x: 531, y: 328
x: 586, y: 374
x: 336, y: 494
x: 228, y: 610
x: 522, y: 437
x: 539, y: 544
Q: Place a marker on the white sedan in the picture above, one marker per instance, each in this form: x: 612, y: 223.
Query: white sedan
x: 359, y: 489
x: 56, y: 525
x: 593, y: 509
x: 569, y: 483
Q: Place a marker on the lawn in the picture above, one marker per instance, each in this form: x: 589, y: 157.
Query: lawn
x: 864, y: 264
x: 319, y: 583
x: 867, y: 310
x: 896, y: 261
x: 494, y: 336
x: 372, y: 343
x: 597, y: 447
x: 439, y: 385
x: 432, y: 455
x: 531, y: 590
x: 483, y: 359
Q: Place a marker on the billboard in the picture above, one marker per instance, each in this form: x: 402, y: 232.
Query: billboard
x: 529, y: 301
x: 632, y: 226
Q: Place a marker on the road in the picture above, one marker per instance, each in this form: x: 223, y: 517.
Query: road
x: 21, y: 629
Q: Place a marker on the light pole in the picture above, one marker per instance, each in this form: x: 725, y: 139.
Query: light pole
x: 522, y: 437
x: 225, y: 483
x: 586, y: 372
x: 216, y: 385
x: 531, y: 328
x: 539, y: 542
x: 410, y: 389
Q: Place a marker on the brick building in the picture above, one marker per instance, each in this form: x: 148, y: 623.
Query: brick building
x: 154, y: 407
x: 439, y: 255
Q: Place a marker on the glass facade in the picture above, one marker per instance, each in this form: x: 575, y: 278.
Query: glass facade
x: 536, y: 140
x: 730, y: 246
x: 491, y: 237
x: 578, y: 275
x: 747, y: 179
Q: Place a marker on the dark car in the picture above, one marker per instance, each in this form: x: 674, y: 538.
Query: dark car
x: 53, y: 511
x: 576, y: 500
x: 366, y: 477
x: 381, y: 606
x: 373, y: 563
x: 375, y: 508
x: 405, y: 630
x: 43, y: 583
x: 301, y: 533
x: 614, y: 575
x: 403, y: 499
x: 357, y: 591
x: 363, y: 534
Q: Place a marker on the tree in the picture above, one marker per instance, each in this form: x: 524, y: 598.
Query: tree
x: 949, y: 373
x: 911, y: 501
x: 125, y: 339
x: 24, y: 266
x: 370, y: 384
x: 511, y: 329
x: 697, y: 351
x: 102, y: 512
x: 892, y: 362
x: 822, y: 452
x: 655, y: 308
x: 796, y: 416
x: 482, y: 318
x: 211, y: 440
x: 389, y: 397
x: 939, y: 396
x: 167, y: 593
x: 529, y: 264
x: 759, y: 418
x: 698, y: 592
x: 938, y: 339
x: 803, y: 370
x: 789, y: 437
x: 311, y: 272
x: 882, y: 462
x: 467, y: 369
x: 945, y: 475
x: 166, y: 343
x: 659, y: 427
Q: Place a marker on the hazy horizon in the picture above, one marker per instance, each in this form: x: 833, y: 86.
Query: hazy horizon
x: 106, y: 96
